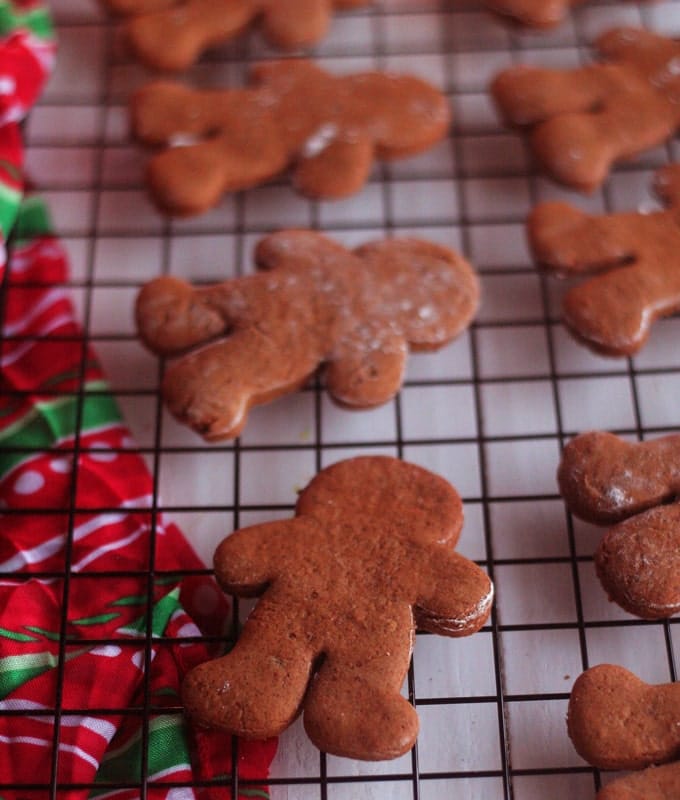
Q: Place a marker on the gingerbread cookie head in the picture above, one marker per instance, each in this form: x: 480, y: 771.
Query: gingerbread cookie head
x: 584, y: 120
x: 327, y: 129
x: 634, y: 259
x: 264, y: 335
x: 171, y: 35
x: 617, y: 721
x: 342, y: 585
x: 604, y: 479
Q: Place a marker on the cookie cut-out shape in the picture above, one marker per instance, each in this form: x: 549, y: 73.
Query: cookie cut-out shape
x: 367, y: 558
x: 264, y: 335
x: 617, y: 721
x: 328, y: 128
x: 635, y: 260
x: 170, y: 35
x: 583, y: 120
x: 604, y: 479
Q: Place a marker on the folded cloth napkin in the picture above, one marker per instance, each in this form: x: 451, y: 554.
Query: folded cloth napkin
x: 27, y: 51
x: 99, y: 619
x: 87, y: 568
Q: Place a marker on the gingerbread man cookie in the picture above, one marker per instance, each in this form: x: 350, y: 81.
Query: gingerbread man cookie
x: 617, y: 721
x: 294, y: 114
x: 635, y: 259
x: 368, y: 557
x: 604, y: 479
x: 584, y: 120
x: 170, y: 35
x: 264, y: 335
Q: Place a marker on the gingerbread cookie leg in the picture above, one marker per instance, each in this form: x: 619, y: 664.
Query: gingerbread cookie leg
x: 172, y: 38
x: 333, y: 168
x: 580, y: 149
x: 638, y: 563
x: 227, y: 692
x: 246, y: 369
x: 636, y: 255
x: 367, y: 376
x: 354, y: 707
x: 186, y: 180
x: 617, y: 721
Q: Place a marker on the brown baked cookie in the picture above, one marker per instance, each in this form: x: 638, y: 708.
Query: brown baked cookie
x: 368, y: 557
x: 294, y: 114
x: 617, y: 721
x: 635, y: 260
x: 171, y: 34
x: 653, y: 783
x: 585, y: 119
x: 534, y: 13
x: 263, y: 335
x: 604, y: 479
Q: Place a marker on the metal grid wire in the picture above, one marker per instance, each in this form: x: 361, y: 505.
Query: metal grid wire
x: 489, y: 412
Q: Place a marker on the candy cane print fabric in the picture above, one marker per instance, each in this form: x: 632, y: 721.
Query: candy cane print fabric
x: 77, y: 546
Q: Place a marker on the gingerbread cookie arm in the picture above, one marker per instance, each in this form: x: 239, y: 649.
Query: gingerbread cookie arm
x: 613, y: 313
x: 526, y: 95
x: 653, y: 783
x: 248, y: 560
x: 172, y: 316
x: 567, y: 241
x: 603, y: 478
x: 649, y: 52
x: 638, y: 563
x: 173, y: 38
x: 455, y: 595
x: 617, y: 721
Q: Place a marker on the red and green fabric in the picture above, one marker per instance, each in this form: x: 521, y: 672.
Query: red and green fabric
x: 86, y: 568
x: 27, y: 52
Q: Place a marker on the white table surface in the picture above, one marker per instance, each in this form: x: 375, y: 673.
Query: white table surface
x: 489, y: 412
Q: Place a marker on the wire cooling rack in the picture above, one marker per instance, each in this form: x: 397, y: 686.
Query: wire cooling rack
x: 490, y: 412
